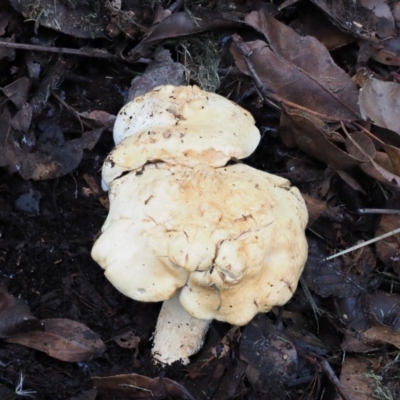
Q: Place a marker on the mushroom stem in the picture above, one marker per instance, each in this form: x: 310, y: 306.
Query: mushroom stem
x: 178, y: 335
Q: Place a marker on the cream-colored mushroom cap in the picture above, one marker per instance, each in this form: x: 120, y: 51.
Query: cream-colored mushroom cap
x: 179, y: 125
x: 230, y: 238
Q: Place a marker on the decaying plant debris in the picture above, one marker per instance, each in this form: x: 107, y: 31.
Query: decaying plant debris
x: 321, y: 79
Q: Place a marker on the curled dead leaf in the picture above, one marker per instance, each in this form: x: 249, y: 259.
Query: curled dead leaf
x: 63, y: 339
x: 15, y: 316
x: 299, y: 70
x: 134, y: 386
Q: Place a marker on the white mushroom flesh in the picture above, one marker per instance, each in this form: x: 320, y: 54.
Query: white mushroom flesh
x: 228, y: 241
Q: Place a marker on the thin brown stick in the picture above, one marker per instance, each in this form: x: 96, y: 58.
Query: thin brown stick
x: 324, y: 364
x: 65, y: 50
x: 341, y: 389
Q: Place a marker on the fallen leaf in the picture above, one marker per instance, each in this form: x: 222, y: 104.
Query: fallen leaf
x: 352, y: 343
x: 351, y: 312
x: 311, y: 134
x: 358, y: 144
x: 81, y: 19
x: 17, y: 91
x: 388, y: 52
x: 22, y: 119
x: 98, y: 119
x: 353, y: 378
x: 380, y: 102
x: 298, y: 69
x: 270, y: 355
x: 379, y: 335
x: 351, y: 181
x: 315, y: 208
x: 134, y: 386
x: 313, y: 22
x: 127, y: 340
x: 63, y: 339
x: 329, y: 278
x: 182, y: 24
x: 15, y: 316
x: 51, y: 161
x: 362, y: 18
x: 384, y: 309
x: 161, y: 71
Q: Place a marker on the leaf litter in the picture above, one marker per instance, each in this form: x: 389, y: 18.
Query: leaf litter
x: 323, y: 93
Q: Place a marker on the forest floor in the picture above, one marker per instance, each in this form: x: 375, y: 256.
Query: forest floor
x: 66, y: 69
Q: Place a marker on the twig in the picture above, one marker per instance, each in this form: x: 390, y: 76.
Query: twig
x: 363, y: 244
x: 377, y: 211
x: 74, y: 52
x: 323, y: 363
x: 342, y: 390
x: 69, y: 108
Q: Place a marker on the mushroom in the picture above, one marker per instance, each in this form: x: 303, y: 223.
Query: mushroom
x: 211, y: 240
x: 179, y: 125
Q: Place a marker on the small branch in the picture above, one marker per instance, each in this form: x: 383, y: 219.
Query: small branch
x: 341, y: 389
x: 325, y: 366
x: 363, y: 244
x: 377, y: 211
x: 59, y: 50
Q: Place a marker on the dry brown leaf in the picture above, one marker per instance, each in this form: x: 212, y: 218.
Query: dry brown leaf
x: 51, y: 161
x: 394, y: 156
x: 353, y: 344
x: 134, y: 386
x: 315, y: 208
x: 182, y: 24
x: 330, y: 278
x: 22, y: 119
x: 380, y: 335
x: 298, y: 69
x: 353, y: 377
x: 98, y: 119
x: 383, y: 160
x: 63, y: 339
x: 374, y: 170
x: 384, y: 309
x: 162, y: 70
x: 359, y: 144
x: 83, y: 20
x: 311, y: 134
x: 270, y: 355
x: 313, y: 22
x: 351, y: 181
x: 17, y: 91
x: 388, y: 52
x: 15, y: 316
x: 380, y: 102
x: 362, y: 18
x: 127, y: 340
